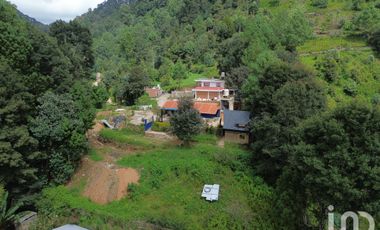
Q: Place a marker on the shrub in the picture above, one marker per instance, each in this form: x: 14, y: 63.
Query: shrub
x: 146, y: 100
x: 274, y: 3
x: 350, y: 88
x: 161, y: 126
x: 319, y: 3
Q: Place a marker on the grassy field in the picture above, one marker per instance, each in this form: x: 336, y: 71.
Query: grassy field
x: 168, y: 194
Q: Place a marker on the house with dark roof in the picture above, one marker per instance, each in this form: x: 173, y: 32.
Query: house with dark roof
x: 235, y: 126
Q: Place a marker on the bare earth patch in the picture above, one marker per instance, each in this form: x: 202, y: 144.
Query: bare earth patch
x: 104, y: 181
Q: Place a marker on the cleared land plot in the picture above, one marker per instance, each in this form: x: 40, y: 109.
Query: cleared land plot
x: 168, y: 192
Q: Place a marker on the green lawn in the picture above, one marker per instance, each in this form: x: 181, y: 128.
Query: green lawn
x: 168, y: 193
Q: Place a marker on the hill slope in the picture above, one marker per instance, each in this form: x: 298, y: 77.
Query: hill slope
x: 210, y: 37
x: 33, y: 21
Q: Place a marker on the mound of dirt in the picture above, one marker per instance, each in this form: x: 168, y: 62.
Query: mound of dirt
x: 106, y: 182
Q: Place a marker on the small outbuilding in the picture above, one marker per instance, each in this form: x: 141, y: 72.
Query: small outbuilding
x: 235, y: 126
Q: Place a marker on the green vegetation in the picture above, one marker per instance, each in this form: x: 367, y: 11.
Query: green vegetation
x: 330, y: 43
x: 132, y: 136
x: 186, y: 123
x: 168, y: 193
x: 46, y: 100
x: 348, y: 133
x: 161, y: 126
x: 307, y: 70
x: 8, y: 214
x: 95, y: 155
x: 146, y: 100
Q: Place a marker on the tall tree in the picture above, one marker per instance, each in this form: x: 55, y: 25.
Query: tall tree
x: 283, y: 97
x: 131, y: 87
x: 60, y: 130
x: 336, y: 162
x: 75, y: 41
x: 186, y: 122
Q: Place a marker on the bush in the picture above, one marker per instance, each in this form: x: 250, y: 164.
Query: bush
x: 274, y: 3
x: 374, y: 40
x: 146, y: 100
x: 376, y: 99
x: 161, y: 127
x: 319, y: 3
x: 350, y: 88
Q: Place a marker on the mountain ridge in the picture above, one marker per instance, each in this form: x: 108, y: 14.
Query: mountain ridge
x: 33, y: 21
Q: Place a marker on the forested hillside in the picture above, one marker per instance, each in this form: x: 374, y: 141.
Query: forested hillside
x: 171, y: 41
x: 307, y: 70
x: 46, y: 103
x: 33, y: 21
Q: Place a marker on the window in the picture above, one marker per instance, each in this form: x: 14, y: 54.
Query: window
x: 218, y: 84
x: 206, y: 84
x: 241, y: 136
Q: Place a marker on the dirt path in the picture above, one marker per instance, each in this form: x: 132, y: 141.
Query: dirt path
x: 104, y: 181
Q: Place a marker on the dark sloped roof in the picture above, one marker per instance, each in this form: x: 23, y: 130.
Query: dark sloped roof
x: 236, y: 120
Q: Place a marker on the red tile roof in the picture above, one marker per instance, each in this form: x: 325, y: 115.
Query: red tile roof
x: 153, y: 92
x: 202, y: 107
x: 199, y: 88
x: 206, y: 108
x: 170, y: 105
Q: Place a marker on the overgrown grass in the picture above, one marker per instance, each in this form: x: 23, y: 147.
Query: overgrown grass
x: 132, y: 136
x: 95, y: 155
x: 124, y: 136
x: 189, y: 82
x: 328, y: 43
x: 359, y: 71
x: 161, y: 126
x: 168, y: 193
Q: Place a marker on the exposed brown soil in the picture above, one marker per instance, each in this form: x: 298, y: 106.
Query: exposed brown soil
x: 104, y: 181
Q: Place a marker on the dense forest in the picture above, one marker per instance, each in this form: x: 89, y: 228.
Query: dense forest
x: 315, y: 114
x: 47, y: 103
